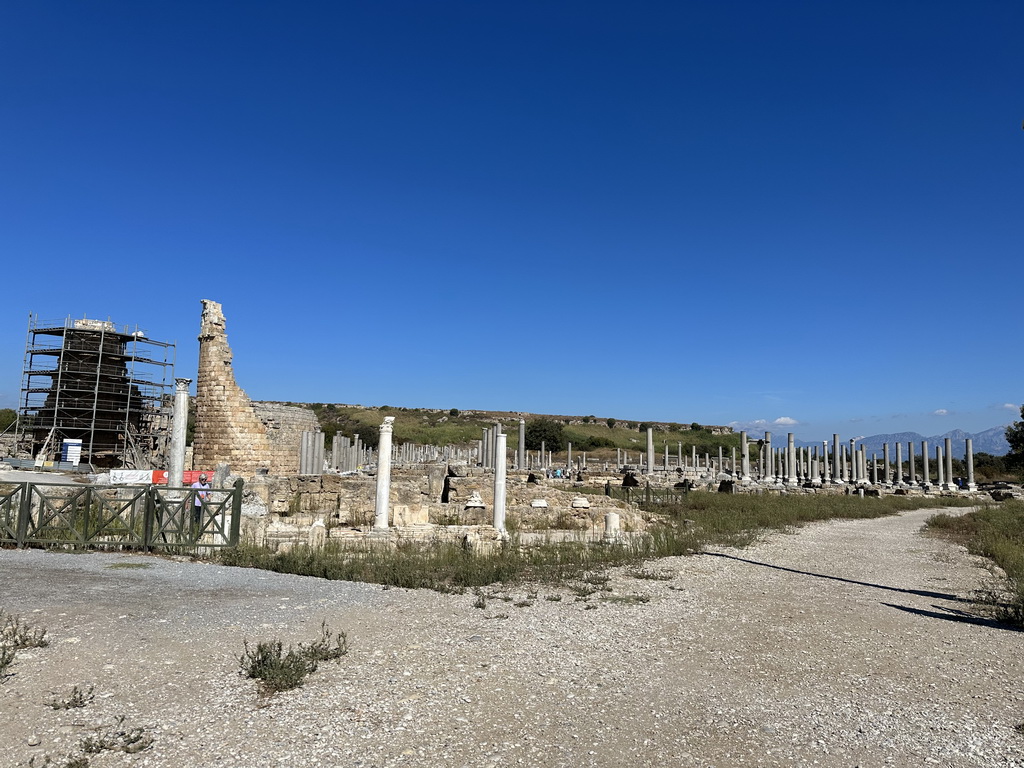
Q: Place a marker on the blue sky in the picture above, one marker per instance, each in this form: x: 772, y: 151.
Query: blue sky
x: 802, y: 214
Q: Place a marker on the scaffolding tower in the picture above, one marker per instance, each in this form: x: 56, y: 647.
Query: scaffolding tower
x: 107, y: 386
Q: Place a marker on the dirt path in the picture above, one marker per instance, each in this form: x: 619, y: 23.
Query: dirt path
x: 848, y: 643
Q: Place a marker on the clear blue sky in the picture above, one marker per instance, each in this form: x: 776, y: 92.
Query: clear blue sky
x: 801, y: 213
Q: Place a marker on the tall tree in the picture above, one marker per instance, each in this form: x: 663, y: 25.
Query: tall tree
x: 1015, y: 437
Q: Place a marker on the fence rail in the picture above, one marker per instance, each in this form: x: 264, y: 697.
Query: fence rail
x: 125, y: 517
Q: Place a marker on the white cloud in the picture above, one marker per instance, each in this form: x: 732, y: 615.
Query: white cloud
x: 785, y: 421
x: 1009, y: 406
x: 940, y: 412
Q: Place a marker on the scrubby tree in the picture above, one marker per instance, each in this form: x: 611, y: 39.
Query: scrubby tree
x: 611, y: 423
x: 548, y: 431
x: 644, y: 426
x: 1015, y: 437
x: 7, y: 417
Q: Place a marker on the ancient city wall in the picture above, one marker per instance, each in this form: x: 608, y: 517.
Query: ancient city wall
x: 229, y: 426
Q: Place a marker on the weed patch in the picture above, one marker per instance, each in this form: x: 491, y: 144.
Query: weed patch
x: 118, y: 738
x: 77, y: 699
x: 998, y: 534
x: 18, y: 634
x: 280, y: 669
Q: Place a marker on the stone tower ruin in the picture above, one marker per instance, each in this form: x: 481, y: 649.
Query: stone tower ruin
x: 250, y: 436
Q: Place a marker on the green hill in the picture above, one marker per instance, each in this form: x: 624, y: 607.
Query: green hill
x: 599, y: 436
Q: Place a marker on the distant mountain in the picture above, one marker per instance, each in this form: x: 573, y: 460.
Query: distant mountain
x: 990, y: 441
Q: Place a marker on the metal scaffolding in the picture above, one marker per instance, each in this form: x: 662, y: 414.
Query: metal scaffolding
x: 108, y: 386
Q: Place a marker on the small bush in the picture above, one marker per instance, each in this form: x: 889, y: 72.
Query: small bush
x: 7, y: 654
x: 275, y: 668
x: 18, y: 634
x: 278, y: 669
x: 77, y: 699
x: 118, y: 739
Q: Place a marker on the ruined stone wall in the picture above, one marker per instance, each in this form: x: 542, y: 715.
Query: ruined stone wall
x: 229, y: 426
x: 285, y: 425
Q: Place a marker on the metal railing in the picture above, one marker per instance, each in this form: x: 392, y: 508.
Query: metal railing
x: 123, y: 517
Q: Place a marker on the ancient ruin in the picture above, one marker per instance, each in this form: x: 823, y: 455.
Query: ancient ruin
x: 251, y: 437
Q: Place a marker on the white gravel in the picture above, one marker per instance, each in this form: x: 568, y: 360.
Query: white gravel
x: 848, y: 643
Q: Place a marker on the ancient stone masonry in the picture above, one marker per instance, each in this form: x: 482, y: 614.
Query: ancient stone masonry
x: 230, y: 427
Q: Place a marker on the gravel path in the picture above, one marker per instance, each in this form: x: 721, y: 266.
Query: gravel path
x: 848, y: 643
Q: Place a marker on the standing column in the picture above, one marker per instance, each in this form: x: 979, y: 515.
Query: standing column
x: 179, y: 429
x: 853, y: 462
x: 618, y: 457
x: 522, y: 444
x: 885, y: 464
x: 769, y: 459
x: 721, y: 460
x: 837, y: 473
x: 950, y: 485
x: 383, y: 503
x: 543, y: 456
x: 864, y: 464
x: 874, y: 469
x: 790, y: 459
x: 744, y: 458
x: 666, y: 455
x: 910, y: 463
x: 938, y: 466
x: 969, y: 449
x: 650, y: 450
x: 827, y: 474
x: 899, y: 464
x: 680, y: 453
x: 926, y: 475
x: 568, y: 457
x: 500, y: 443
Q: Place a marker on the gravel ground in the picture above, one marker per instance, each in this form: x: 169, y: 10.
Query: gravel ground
x: 848, y: 643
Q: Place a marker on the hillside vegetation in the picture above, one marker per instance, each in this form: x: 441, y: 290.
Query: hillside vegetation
x: 455, y: 427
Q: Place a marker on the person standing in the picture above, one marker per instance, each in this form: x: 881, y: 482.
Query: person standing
x: 202, y: 491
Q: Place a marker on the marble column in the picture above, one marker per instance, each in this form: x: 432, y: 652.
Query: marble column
x: 886, y: 468
x: 824, y: 462
x: 500, y: 470
x: 837, y: 473
x: 790, y: 459
x: 744, y: 458
x: 721, y: 460
x: 179, y: 429
x: 769, y: 468
x: 650, y: 450
x: 568, y: 457
x: 950, y: 485
x: 522, y: 444
x: 899, y: 464
x: 938, y: 467
x: 680, y: 453
x: 874, y: 469
x: 864, y: 465
x: 910, y: 463
x: 926, y: 479
x: 666, y: 455
x: 969, y: 458
x: 383, y: 501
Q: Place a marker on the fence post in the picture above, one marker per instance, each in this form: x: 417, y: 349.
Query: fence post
x: 24, y: 515
x: 236, y: 512
x: 148, y: 515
